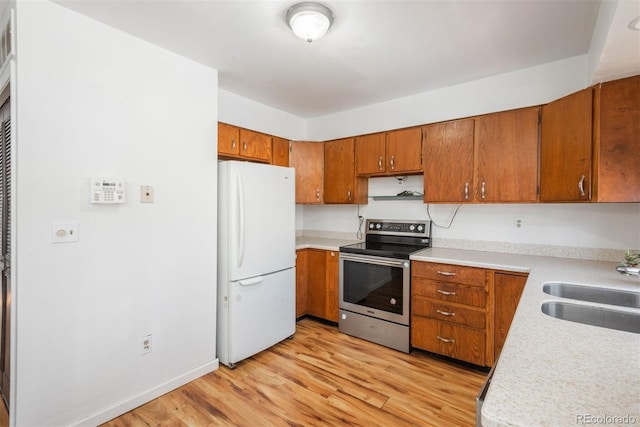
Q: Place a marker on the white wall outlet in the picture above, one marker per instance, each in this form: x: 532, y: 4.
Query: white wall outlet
x: 65, y: 232
x: 518, y: 222
x: 145, y: 344
x: 146, y: 194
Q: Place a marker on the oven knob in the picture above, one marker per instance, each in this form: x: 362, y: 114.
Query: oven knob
x: 412, y: 227
x: 372, y: 225
x: 378, y: 226
x: 420, y: 227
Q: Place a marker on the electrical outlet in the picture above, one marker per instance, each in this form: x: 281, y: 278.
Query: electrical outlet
x: 518, y: 222
x: 144, y: 344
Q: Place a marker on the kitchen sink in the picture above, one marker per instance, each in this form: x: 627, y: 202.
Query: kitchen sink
x: 591, y: 315
x: 593, y: 294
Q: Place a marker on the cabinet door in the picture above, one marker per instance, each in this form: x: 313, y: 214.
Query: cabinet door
x: 301, y: 282
x: 332, y: 277
x: 404, y: 151
x: 228, y: 139
x: 340, y: 182
x: 565, y: 148
x: 280, y: 155
x: 507, y: 291
x: 447, y: 153
x: 255, y: 145
x: 506, y: 156
x: 619, y: 142
x: 370, y: 154
x: 316, y: 288
x: 308, y: 160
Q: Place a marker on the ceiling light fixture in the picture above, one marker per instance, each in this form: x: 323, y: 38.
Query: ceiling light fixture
x: 635, y: 24
x: 309, y: 20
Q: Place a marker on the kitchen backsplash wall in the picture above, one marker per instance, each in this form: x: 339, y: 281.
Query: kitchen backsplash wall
x: 547, y: 228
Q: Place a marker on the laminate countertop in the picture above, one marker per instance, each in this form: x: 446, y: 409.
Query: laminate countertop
x: 553, y: 372
x: 327, y: 244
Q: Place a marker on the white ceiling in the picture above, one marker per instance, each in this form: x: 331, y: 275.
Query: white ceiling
x: 375, y: 51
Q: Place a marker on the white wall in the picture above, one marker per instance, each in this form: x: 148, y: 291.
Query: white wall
x: 523, y: 88
x: 240, y: 111
x: 604, y: 225
x: 93, y: 101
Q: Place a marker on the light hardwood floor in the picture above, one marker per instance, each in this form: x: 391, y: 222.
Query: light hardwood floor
x: 321, y: 377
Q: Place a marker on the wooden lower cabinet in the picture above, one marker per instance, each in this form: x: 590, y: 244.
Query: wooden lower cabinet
x: 458, y: 342
x: 507, y: 290
x: 317, y: 284
x: 462, y: 312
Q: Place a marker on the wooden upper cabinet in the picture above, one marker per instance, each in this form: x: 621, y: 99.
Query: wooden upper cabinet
x: 340, y: 182
x: 255, y: 145
x: 566, y: 148
x: 506, y: 156
x: 447, y: 151
x: 238, y: 143
x: 308, y: 160
x: 280, y: 152
x: 395, y: 152
x: 370, y: 154
x: 618, y: 144
x: 228, y: 139
x: 404, y: 151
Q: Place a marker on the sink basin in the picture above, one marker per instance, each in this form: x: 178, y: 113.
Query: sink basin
x: 596, y: 316
x: 593, y: 294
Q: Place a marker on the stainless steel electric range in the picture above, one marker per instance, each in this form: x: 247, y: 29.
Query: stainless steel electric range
x: 375, y: 281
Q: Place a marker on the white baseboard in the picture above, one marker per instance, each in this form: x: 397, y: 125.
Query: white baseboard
x: 146, y: 396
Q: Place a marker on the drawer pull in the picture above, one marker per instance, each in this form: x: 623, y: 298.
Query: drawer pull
x: 440, y: 291
x: 446, y: 273
x: 445, y: 313
x: 445, y: 339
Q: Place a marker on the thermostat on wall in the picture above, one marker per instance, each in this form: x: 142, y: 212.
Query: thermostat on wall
x: 107, y: 190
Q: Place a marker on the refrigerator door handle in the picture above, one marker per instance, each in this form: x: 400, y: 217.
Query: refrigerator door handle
x: 252, y: 281
x: 240, y: 221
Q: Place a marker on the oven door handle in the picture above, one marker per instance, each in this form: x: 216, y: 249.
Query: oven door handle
x: 376, y: 260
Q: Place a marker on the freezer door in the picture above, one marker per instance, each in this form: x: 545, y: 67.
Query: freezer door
x: 262, y: 312
x: 262, y: 219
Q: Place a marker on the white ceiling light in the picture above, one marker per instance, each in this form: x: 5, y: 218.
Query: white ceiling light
x: 309, y: 20
x: 635, y: 24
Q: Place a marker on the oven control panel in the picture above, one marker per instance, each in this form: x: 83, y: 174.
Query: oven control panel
x: 399, y: 227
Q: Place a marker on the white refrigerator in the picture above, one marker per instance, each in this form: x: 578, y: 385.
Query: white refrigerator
x: 256, y: 258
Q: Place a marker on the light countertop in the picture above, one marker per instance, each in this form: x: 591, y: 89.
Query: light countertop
x: 553, y: 372
x: 327, y: 244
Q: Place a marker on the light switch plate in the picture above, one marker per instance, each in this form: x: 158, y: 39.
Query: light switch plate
x: 65, y: 232
x: 146, y: 194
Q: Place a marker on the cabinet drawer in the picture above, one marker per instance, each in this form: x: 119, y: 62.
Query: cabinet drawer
x: 449, y: 273
x: 458, y: 342
x: 449, y: 292
x: 472, y: 317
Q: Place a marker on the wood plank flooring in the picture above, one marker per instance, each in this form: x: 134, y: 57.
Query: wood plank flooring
x: 321, y: 377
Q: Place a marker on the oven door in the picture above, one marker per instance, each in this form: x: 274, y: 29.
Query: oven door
x: 375, y: 286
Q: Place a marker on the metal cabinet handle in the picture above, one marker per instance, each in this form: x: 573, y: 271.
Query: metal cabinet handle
x: 446, y: 273
x: 317, y: 194
x: 244, y: 146
x: 233, y: 143
x: 482, y: 189
x: 445, y: 313
x: 466, y: 190
x: 393, y: 161
x: 440, y: 291
x: 349, y: 194
x: 581, y: 185
x: 380, y: 163
x: 445, y: 339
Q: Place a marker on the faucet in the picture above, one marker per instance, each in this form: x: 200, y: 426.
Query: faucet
x: 628, y: 270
